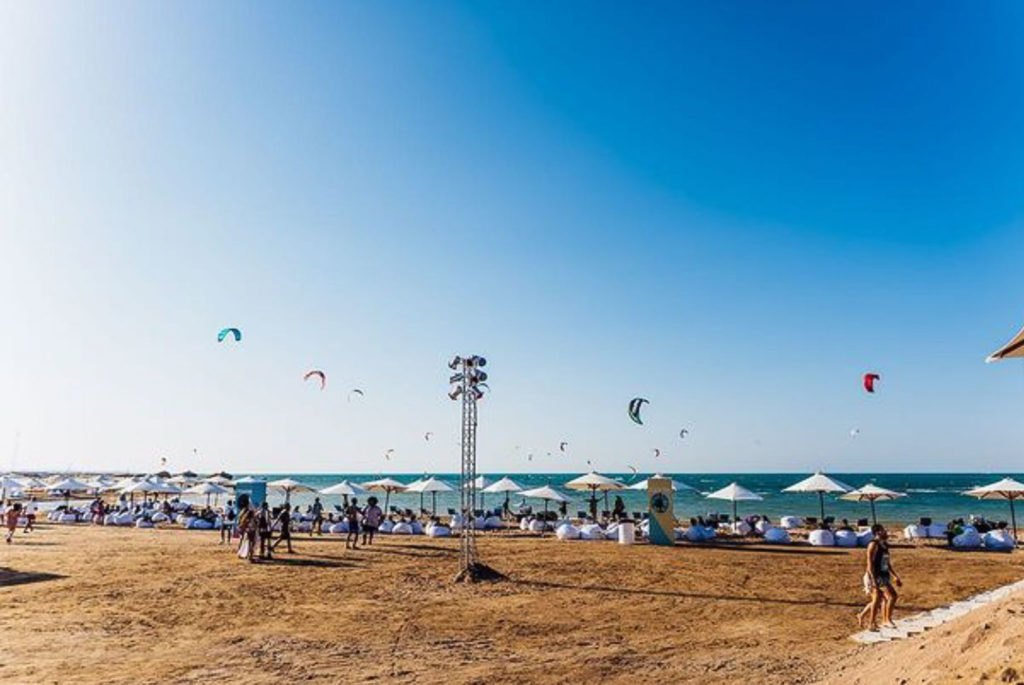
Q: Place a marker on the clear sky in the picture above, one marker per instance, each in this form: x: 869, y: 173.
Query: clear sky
x: 731, y: 209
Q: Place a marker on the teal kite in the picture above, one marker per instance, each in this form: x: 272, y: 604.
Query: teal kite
x: 229, y: 331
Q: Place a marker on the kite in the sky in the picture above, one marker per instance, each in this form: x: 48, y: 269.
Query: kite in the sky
x: 854, y: 432
x: 869, y: 381
x: 562, y: 446
x: 634, y: 409
x: 529, y: 457
x: 657, y: 453
x: 683, y: 433
x: 633, y: 469
x: 355, y: 391
x: 387, y: 454
x: 320, y: 374
x: 225, y: 332
x: 426, y: 436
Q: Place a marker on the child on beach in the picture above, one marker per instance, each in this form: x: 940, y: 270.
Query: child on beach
x: 372, y: 516
x: 284, y: 520
x: 11, y: 519
x: 31, y: 507
x: 352, y: 513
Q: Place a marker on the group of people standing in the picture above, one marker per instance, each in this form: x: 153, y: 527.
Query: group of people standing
x: 256, y: 526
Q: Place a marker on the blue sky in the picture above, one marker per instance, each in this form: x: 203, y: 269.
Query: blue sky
x: 732, y: 210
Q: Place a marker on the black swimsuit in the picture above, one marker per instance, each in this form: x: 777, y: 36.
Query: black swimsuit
x: 880, y: 566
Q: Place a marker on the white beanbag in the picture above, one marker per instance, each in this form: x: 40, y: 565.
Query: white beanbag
x: 143, y: 523
x: 969, y: 539
x: 456, y: 523
x: 303, y: 527
x: 612, y: 531
x: 777, y: 536
x: 339, y: 528
x: 67, y: 517
x: 915, y: 532
x: 845, y: 538
x: 159, y: 517
x: 937, y: 530
x: 386, y: 526
x: 698, y: 534
x: 524, y: 523
x: 182, y: 519
x: 591, y: 531
x: 790, y: 522
x: 200, y: 524
x: 110, y: 520
x: 567, y: 531
x: 740, y: 528
x: 417, y: 528
x: 439, y: 531
x: 536, y: 526
x: 821, y: 538
x: 402, y: 528
x: 761, y: 526
x: 479, y: 523
x: 678, y: 533
x: 493, y: 523
x: 998, y: 540
x: 864, y: 538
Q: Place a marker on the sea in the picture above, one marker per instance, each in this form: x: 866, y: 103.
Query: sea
x: 934, y: 495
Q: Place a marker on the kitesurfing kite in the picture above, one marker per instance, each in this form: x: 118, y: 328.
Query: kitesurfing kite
x: 1014, y: 348
x: 683, y: 433
x: 529, y: 457
x: 354, y: 391
x: 854, y: 432
x: 387, y: 454
x: 869, y: 381
x: 318, y: 373
x: 426, y: 436
x: 634, y: 409
x: 562, y: 446
x: 633, y: 469
x: 225, y: 332
x: 657, y: 453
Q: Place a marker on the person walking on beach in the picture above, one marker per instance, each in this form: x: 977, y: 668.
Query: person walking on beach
x: 227, y: 523
x: 880, y: 575
x: 372, y: 516
x: 264, y: 530
x: 11, y: 520
x: 31, y: 507
x: 352, y: 515
x: 246, y: 528
x: 284, y: 520
x: 318, y: 518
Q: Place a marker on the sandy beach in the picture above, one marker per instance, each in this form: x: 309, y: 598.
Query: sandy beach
x: 86, y: 604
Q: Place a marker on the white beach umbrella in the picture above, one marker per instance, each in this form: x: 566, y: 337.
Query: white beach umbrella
x: 346, y: 489
x: 676, y: 485
x: 595, y: 482
x: 506, y: 485
x: 387, y: 486
x: 30, y: 483
x: 288, y: 486
x: 480, y: 483
x: 1008, y: 489
x: 221, y: 480
x: 181, y: 479
x: 243, y: 480
x: 1014, y: 348
x: 546, y: 493
x: 819, y: 483
x: 872, y: 493
x: 98, y: 485
x: 9, y: 487
x: 208, y: 489
x: 433, y: 486
x: 68, y: 485
x: 734, y: 492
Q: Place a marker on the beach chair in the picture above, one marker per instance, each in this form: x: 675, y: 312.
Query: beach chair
x: 925, y: 521
x: 862, y: 523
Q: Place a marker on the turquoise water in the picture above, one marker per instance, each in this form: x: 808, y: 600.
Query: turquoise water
x: 932, y: 494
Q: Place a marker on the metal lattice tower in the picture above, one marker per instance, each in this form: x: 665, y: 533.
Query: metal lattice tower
x: 467, y: 482
x: 468, y: 381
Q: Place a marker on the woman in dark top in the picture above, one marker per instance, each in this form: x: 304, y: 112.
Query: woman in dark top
x: 881, y: 575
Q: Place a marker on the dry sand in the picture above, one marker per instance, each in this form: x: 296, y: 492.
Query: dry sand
x: 87, y: 604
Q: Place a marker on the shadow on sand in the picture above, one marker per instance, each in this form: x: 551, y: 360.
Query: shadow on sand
x: 9, y: 577
x: 699, y: 595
